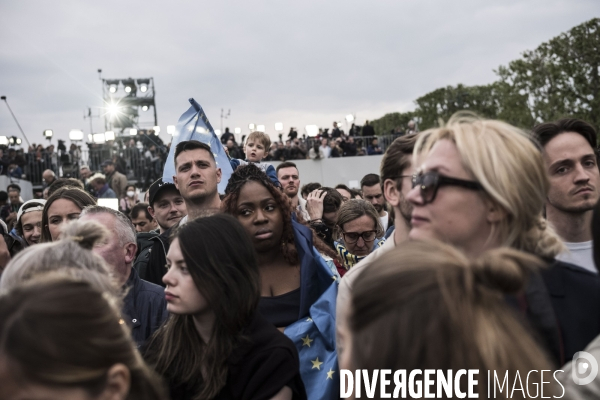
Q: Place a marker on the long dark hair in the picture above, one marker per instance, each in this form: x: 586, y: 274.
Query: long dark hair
x: 62, y: 332
x: 251, y: 173
x: 79, y: 197
x: 221, y: 260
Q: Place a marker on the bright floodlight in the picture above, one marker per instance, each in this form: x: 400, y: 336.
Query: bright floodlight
x: 171, y: 129
x: 133, y: 132
x: 19, y: 141
x: 76, y: 135
x: 237, y: 130
x: 278, y: 126
x: 260, y: 128
x: 128, y: 89
x: 350, y: 118
x: 3, y: 140
x: 99, y: 138
x: 143, y: 88
x: 112, y: 109
x: 112, y: 89
x: 312, y: 130
x: 109, y: 135
x: 48, y: 133
x: 144, y: 108
x: 251, y: 126
x: 156, y: 130
x: 217, y: 132
x: 90, y: 137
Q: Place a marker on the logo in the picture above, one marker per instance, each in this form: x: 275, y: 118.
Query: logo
x: 585, y: 368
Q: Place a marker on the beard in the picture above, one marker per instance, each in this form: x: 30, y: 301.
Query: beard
x: 405, y: 210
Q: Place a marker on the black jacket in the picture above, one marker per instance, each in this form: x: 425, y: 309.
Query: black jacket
x: 152, y: 259
x: 562, y: 306
x: 144, y: 306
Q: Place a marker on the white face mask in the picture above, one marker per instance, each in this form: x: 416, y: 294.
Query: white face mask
x: 130, y: 193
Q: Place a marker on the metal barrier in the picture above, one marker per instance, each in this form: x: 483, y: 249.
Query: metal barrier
x: 140, y: 167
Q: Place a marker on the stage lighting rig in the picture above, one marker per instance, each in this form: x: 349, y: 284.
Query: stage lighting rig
x: 122, y: 106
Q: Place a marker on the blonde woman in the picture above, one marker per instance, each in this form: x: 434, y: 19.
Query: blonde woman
x: 480, y: 185
x: 425, y: 306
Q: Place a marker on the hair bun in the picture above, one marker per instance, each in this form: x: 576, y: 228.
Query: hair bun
x: 86, y: 234
x: 506, y: 270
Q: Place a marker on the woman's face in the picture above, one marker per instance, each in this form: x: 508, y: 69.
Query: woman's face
x: 60, y: 212
x: 260, y: 215
x: 457, y: 215
x: 181, y: 293
x: 31, y: 224
x: 359, y: 225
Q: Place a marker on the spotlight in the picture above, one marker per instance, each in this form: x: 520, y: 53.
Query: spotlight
x: 128, y: 89
x: 311, y: 130
x: 76, y: 135
x: 3, y: 141
x: 279, y: 126
x: 98, y: 138
x: 260, y: 128
x: 171, y: 129
x: 19, y: 141
x: 237, y: 130
x: 133, y: 132
x: 109, y: 135
x: 113, y: 85
x: 113, y: 109
x: 129, y: 85
x: 251, y: 126
x: 350, y: 118
x: 112, y: 89
x: 143, y: 84
x: 48, y: 133
x: 144, y: 108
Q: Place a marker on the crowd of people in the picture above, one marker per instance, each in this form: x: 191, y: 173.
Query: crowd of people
x: 475, y: 247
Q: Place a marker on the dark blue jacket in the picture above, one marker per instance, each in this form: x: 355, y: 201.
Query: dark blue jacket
x: 144, y: 307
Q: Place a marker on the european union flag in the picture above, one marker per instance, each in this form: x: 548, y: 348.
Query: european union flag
x: 314, y: 333
x: 193, y: 125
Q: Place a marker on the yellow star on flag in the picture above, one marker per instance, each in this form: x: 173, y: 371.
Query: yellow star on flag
x: 330, y: 374
x: 306, y: 341
x: 309, y: 319
x: 316, y: 364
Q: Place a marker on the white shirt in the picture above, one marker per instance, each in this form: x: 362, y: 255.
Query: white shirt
x: 326, y: 151
x: 385, y: 220
x: 580, y: 254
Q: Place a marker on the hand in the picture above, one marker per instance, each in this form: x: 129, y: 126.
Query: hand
x: 226, y: 150
x: 314, y: 204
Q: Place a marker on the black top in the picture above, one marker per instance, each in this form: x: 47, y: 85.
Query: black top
x: 257, y: 369
x: 282, y: 310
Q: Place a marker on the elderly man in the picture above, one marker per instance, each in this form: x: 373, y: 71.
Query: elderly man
x: 48, y: 176
x: 144, y: 304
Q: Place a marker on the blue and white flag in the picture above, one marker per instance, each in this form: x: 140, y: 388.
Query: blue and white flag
x: 314, y: 332
x: 193, y: 125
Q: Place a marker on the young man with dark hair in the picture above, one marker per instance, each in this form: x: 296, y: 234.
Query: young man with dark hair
x: 8, y: 213
x: 197, y: 177
x: 570, y: 154
x: 288, y: 176
x: 370, y: 185
x: 142, y: 219
x: 323, y: 205
x: 309, y: 187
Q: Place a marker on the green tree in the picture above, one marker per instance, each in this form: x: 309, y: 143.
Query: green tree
x: 561, y: 77
x: 389, y: 122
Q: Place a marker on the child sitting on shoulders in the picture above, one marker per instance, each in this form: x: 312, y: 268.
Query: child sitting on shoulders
x: 256, y: 148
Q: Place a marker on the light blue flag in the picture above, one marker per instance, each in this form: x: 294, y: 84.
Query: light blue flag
x: 193, y: 125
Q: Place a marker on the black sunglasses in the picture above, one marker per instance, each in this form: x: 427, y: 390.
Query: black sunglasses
x: 430, y: 182
x: 352, y: 237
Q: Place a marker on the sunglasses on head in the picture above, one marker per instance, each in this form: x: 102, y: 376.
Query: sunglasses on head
x: 430, y: 182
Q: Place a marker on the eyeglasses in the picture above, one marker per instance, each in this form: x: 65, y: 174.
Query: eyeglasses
x: 352, y: 237
x: 431, y: 181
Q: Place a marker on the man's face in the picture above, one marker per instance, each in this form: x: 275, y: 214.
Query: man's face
x: 374, y: 196
x: 197, y: 175
x: 13, y: 196
x: 142, y: 223
x: 111, y: 249
x: 573, y: 171
x: 108, y: 169
x: 290, y: 181
x: 85, y: 173
x: 230, y: 144
x: 324, y: 142
x: 168, y: 208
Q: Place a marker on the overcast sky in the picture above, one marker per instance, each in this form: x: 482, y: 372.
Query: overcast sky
x: 300, y: 63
